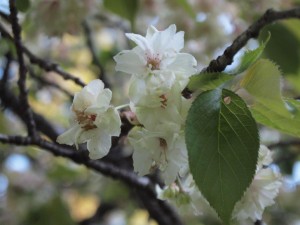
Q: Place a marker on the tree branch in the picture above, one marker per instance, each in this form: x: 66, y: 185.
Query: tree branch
x: 161, y: 212
x: 5, y: 76
x: 30, y: 123
x: 269, y: 17
x: 45, y: 65
x: 10, y: 101
x: 45, y: 82
x: 284, y: 144
x: 158, y: 209
x: 96, y: 61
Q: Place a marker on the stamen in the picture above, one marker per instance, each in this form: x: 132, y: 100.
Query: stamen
x: 163, y: 143
x: 86, y: 120
x: 153, y: 62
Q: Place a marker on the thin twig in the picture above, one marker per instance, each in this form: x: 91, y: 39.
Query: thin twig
x: 258, y: 222
x: 162, y: 209
x: 10, y: 101
x: 47, y: 66
x: 284, y: 144
x: 96, y: 61
x: 269, y: 17
x: 5, y: 75
x: 158, y: 209
x: 30, y: 123
x: 81, y: 158
x: 46, y: 82
x: 4, y: 16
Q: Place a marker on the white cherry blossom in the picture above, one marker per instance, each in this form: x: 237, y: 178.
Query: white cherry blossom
x: 156, y: 52
x: 163, y: 149
x: 156, y: 104
x: 184, y: 193
x: 92, y: 120
x: 261, y: 193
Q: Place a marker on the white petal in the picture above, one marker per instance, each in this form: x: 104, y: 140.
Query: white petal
x: 82, y: 100
x: 96, y: 110
x: 150, y: 32
x: 137, y: 89
x: 104, y: 98
x: 111, y: 122
x: 184, y: 64
x: 139, y: 40
x: 177, y: 41
x: 68, y: 137
x: 161, y: 40
x: 264, y: 157
x: 95, y: 87
x: 177, y: 159
x: 261, y: 193
x: 129, y: 62
x: 86, y: 135
x: 99, y: 145
x: 142, y: 161
x: 87, y: 96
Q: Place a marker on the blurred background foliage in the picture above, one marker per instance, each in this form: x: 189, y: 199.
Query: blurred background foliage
x: 82, y: 36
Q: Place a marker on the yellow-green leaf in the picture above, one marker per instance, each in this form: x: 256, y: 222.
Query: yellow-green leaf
x: 208, y: 81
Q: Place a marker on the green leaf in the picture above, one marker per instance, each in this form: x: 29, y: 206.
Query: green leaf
x: 208, y: 81
x: 222, y: 142
x: 187, y: 7
x: 23, y: 5
x: 251, y: 56
x: 124, y: 8
x: 262, y: 82
x: 287, y: 123
x: 284, y: 49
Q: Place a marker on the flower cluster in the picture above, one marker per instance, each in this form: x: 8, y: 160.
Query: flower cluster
x: 159, y: 75
x: 159, y: 72
x: 92, y: 120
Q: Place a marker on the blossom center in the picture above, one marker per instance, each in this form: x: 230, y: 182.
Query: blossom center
x: 153, y: 61
x: 85, y: 120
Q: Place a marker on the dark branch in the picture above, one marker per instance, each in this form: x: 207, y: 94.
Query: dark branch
x: 45, y: 82
x: 4, y: 16
x: 284, y: 144
x: 10, y: 101
x: 5, y: 76
x: 161, y: 212
x: 158, y: 209
x: 47, y: 66
x: 258, y: 222
x: 269, y: 17
x: 30, y: 123
x: 81, y: 158
x: 96, y: 61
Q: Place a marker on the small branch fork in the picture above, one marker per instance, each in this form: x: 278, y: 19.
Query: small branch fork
x: 270, y: 16
x: 45, y: 65
x: 158, y: 210
x: 30, y: 123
